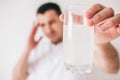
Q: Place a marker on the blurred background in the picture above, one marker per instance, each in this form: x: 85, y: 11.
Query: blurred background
x: 16, y: 19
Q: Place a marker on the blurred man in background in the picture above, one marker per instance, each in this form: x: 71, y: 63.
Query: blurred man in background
x: 43, y: 59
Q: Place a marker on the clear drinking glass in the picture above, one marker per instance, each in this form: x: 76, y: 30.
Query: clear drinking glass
x: 78, y: 40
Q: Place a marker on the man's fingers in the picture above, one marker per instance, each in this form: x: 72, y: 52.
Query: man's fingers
x: 93, y: 10
x: 115, y: 32
x: 102, y: 15
x: 34, y: 29
x: 114, y: 21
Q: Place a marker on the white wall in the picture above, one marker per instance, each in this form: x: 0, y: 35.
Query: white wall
x: 16, y: 17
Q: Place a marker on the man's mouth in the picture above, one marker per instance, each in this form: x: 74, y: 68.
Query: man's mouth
x: 51, y: 35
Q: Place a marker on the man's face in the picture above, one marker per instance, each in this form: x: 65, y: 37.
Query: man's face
x: 51, y: 25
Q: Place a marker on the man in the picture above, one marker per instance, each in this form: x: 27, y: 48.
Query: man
x: 43, y: 59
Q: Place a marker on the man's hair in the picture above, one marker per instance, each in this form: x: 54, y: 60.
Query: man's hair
x: 49, y: 6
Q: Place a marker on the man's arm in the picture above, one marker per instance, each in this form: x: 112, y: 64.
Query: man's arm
x: 107, y: 28
x: 20, y: 70
x: 106, y: 58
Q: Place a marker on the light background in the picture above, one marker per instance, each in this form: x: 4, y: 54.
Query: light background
x: 16, y: 18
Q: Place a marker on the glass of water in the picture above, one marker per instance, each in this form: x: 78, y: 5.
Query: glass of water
x: 78, y: 40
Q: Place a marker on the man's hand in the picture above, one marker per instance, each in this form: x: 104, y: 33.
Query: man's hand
x: 105, y: 22
x: 20, y: 70
x: 31, y: 43
x: 107, y: 28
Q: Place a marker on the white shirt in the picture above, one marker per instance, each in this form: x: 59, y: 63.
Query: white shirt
x: 46, y: 63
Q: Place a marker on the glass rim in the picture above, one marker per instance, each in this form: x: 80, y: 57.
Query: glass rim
x: 85, y: 5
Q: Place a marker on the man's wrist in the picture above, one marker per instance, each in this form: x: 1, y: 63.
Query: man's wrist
x: 27, y: 50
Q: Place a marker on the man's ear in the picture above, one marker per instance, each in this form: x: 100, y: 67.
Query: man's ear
x: 61, y: 17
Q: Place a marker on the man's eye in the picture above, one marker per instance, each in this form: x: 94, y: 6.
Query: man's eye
x: 52, y: 22
x: 42, y: 25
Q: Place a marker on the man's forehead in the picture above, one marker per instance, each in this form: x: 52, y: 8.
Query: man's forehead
x: 48, y: 15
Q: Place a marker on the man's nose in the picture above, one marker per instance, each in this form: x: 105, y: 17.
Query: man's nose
x: 48, y: 29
